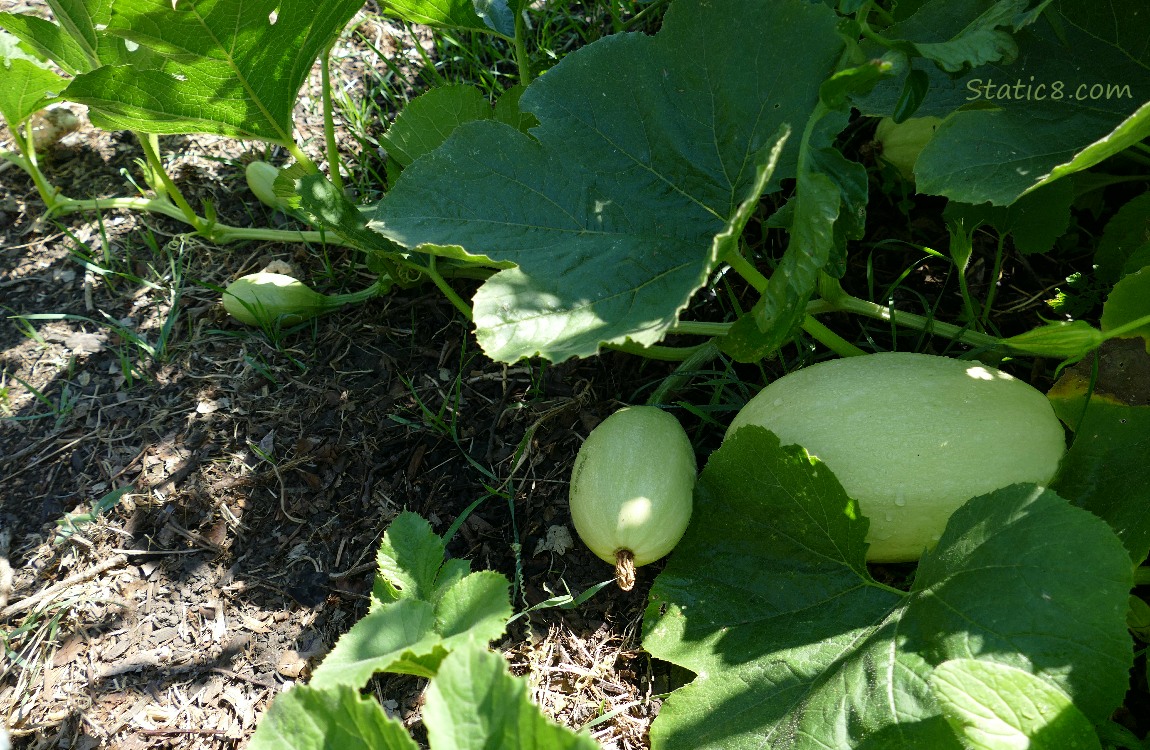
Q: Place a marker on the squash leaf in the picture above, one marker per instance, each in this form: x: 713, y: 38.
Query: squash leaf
x: 641, y: 157
x: 228, y: 67
x: 768, y: 601
x: 422, y: 608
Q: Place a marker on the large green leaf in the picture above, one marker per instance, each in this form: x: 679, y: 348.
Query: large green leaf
x: 474, y: 704
x: 768, y: 600
x: 25, y: 83
x: 233, y: 67
x: 1125, y: 234
x: 1035, y: 221
x: 48, y: 39
x: 994, y: 706
x: 422, y: 608
x: 1126, y: 313
x: 609, y: 209
x: 1106, y: 471
x: 338, y: 718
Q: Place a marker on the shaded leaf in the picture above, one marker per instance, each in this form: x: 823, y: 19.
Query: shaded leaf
x: 768, y: 600
x: 812, y: 239
x: 424, y: 124
x: 480, y: 15
x: 326, y: 207
x: 25, y: 87
x: 1126, y: 312
x: 1034, y: 221
x: 1106, y: 471
x: 981, y: 41
x: 48, y: 39
x: 1126, y: 232
x: 1030, y: 122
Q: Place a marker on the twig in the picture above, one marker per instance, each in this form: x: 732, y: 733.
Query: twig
x: 31, y: 601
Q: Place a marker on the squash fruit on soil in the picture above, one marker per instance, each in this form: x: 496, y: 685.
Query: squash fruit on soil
x: 262, y: 298
x: 912, y: 437
x: 632, y: 488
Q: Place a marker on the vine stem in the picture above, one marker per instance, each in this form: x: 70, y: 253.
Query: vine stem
x: 522, y: 59
x: 151, y: 153
x: 837, y: 300
x: 26, y: 160
x: 659, y: 352
x: 445, y: 288
x: 328, y: 120
x: 1142, y: 576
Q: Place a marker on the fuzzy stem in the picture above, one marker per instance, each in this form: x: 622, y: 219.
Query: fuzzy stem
x: 27, y: 161
x: 839, y: 301
x: 1132, y: 325
x: 328, y: 120
x: 744, y: 268
x: 699, y: 328
x: 661, y: 353
x: 994, y: 274
x: 173, y: 192
x: 381, y: 286
x: 522, y: 59
x: 446, y: 289
x: 829, y: 338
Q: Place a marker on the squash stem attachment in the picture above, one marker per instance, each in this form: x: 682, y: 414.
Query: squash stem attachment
x: 625, y: 569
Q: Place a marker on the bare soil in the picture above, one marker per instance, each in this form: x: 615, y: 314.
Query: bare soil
x: 261, y: 473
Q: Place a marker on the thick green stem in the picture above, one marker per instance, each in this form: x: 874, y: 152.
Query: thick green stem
x: 994, y: 274
x: 27, y: 162
x: 328, y: 119
x: 445, y: 288
x: 173, y: 192
x: 840, y: 301
x: 1126, y: 328
x: 1142, y: 576
x: 522, y: 59
x: 699, y: 328
x: 746, y: 269
x: 381, y: 286
x: 829, y: 338
x: 662, y: 353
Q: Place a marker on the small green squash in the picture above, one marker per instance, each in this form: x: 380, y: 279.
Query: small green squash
x: 632, y: 487
x: 261, y: 178
x: 903, y: 142
x: 262, y: 298
x: 912, y: 437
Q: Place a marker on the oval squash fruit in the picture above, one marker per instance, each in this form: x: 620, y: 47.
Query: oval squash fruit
x: 912, y: 437
x: 632, y: 487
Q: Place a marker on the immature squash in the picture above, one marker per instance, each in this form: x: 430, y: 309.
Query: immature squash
x: 632, y: 488
x: 262, y: 298
x: 912, y: 437
x: 261, y: 178
x: 903, y: 142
